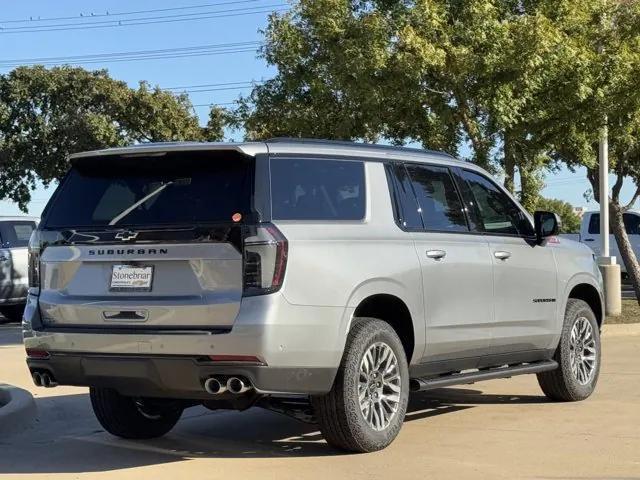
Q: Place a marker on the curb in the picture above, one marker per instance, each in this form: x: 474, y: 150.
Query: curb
x: 17, y: 408
x: 621, y: 330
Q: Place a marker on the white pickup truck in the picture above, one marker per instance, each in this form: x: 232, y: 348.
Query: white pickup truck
x: 590, y: 234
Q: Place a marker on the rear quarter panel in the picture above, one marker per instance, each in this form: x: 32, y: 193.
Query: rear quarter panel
x: 340, y: 263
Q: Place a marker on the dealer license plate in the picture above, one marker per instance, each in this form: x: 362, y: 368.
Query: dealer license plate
x: 130, y: 278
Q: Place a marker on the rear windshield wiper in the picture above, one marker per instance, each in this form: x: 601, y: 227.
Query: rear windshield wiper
x: 128, y: 210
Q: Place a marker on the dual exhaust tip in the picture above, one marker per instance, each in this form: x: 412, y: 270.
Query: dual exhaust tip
x: 234, y: 385
x: 44, y: 379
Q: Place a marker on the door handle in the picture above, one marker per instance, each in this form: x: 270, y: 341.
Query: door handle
x: 501, y: 255
x: 588, y: 239
x: 436, y: 254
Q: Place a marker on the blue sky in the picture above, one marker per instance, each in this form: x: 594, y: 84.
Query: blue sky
x: 173, y: 72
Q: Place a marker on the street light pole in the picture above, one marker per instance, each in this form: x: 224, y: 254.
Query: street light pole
x: 608, y: 267
x: 603, y: 159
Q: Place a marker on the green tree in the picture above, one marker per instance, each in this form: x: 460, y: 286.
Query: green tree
x: 46, y: 114
x: 570, y: 220
x: 435, y: 72
x: 597, y: 85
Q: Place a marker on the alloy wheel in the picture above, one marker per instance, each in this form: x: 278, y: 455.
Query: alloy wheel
x: 582, y: 351
x: 379, y: 386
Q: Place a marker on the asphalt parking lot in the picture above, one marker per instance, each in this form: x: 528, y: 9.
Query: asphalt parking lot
x: 497, y: 429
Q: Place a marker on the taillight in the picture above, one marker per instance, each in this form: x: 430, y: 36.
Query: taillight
x: 265, y: 260
x: 37, y: 353
x: 34, y: 260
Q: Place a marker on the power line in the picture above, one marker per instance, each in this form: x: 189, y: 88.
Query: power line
x: 187, y: 87
x: 130, y: 52
x: 218, y: 89
x: 198, y: 50
x: 156, y: 57
x: 133, y: 12
x: 213, y: 104
x: 148, y: 21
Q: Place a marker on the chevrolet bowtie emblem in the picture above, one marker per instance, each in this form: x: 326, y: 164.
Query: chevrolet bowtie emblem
x: 126, y: 235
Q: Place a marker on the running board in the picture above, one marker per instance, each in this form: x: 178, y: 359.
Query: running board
x: 420, y: 384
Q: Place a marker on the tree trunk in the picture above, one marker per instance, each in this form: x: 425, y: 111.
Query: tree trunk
x: 624, y: 245
x: 509, y: 163
x: 529, y: 186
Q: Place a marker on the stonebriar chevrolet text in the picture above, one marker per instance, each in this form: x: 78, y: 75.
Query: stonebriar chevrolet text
x: 322, y: 280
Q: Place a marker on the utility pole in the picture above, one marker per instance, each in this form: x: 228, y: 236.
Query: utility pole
x: 608, y: 267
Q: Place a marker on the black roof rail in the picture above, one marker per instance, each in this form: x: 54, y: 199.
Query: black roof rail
x: 347, y: 143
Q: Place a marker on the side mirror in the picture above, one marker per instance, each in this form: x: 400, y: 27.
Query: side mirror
x: 547, y: 224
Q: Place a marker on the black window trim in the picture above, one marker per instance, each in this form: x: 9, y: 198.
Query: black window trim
x: 295, y: 156
x: 503, y: 190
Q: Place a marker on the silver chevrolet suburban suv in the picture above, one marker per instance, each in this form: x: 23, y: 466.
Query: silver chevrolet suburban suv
x: 323, y: 280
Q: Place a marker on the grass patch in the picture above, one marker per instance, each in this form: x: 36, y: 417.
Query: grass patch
x: 630, y: 313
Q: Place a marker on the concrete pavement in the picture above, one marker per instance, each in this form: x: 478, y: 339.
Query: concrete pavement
x: 497, y: 429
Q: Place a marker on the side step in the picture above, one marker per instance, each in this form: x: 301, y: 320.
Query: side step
x: 420, y: 384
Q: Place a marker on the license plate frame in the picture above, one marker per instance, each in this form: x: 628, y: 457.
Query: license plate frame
x: 131, y: 285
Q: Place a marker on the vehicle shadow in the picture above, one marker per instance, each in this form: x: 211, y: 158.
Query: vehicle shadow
x: 66, y: 438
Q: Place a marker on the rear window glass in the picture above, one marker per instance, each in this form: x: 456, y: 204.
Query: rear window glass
x: 16, y: 233
x: 176, y: 188
x: 631, y: 224
x: 304, y: 189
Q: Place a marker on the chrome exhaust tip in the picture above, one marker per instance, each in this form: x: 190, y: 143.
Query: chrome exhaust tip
x: 214, y: 386
x: 48, y: 381
x: 236, y: 385
x: 37, y: 379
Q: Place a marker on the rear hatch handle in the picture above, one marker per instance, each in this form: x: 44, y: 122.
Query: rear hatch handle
x: 115, y: 315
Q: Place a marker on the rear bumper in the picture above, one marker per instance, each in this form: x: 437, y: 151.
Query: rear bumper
x: 174, y: 376
x: 301, y: 347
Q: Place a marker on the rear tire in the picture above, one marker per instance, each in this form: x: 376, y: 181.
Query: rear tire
x: 365, y: 408
x: 578, y: 356
x: 133, y: 418
x: 11, y: 313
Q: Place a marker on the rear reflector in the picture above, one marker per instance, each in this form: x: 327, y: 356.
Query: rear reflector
x: 36, y: 353
x: 236, y: 358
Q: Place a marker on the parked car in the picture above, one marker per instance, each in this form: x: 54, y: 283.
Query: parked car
x: 14, y: 238
x: 324, y: 280
x: 590, y: 234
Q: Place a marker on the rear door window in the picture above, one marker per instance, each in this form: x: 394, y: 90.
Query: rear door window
x: 317, y: 189
x: 438, y: 198
x: 16, y: 233
x: 175, y: 188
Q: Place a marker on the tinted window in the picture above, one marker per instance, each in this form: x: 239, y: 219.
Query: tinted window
x: 438, y: 199
x: 407, y: 208
x: 631, y: 224
x: 594, y: 224
x: 304, y: 189
x: 15, y: 233
x: 177, y: 188
x: 495, y: 211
